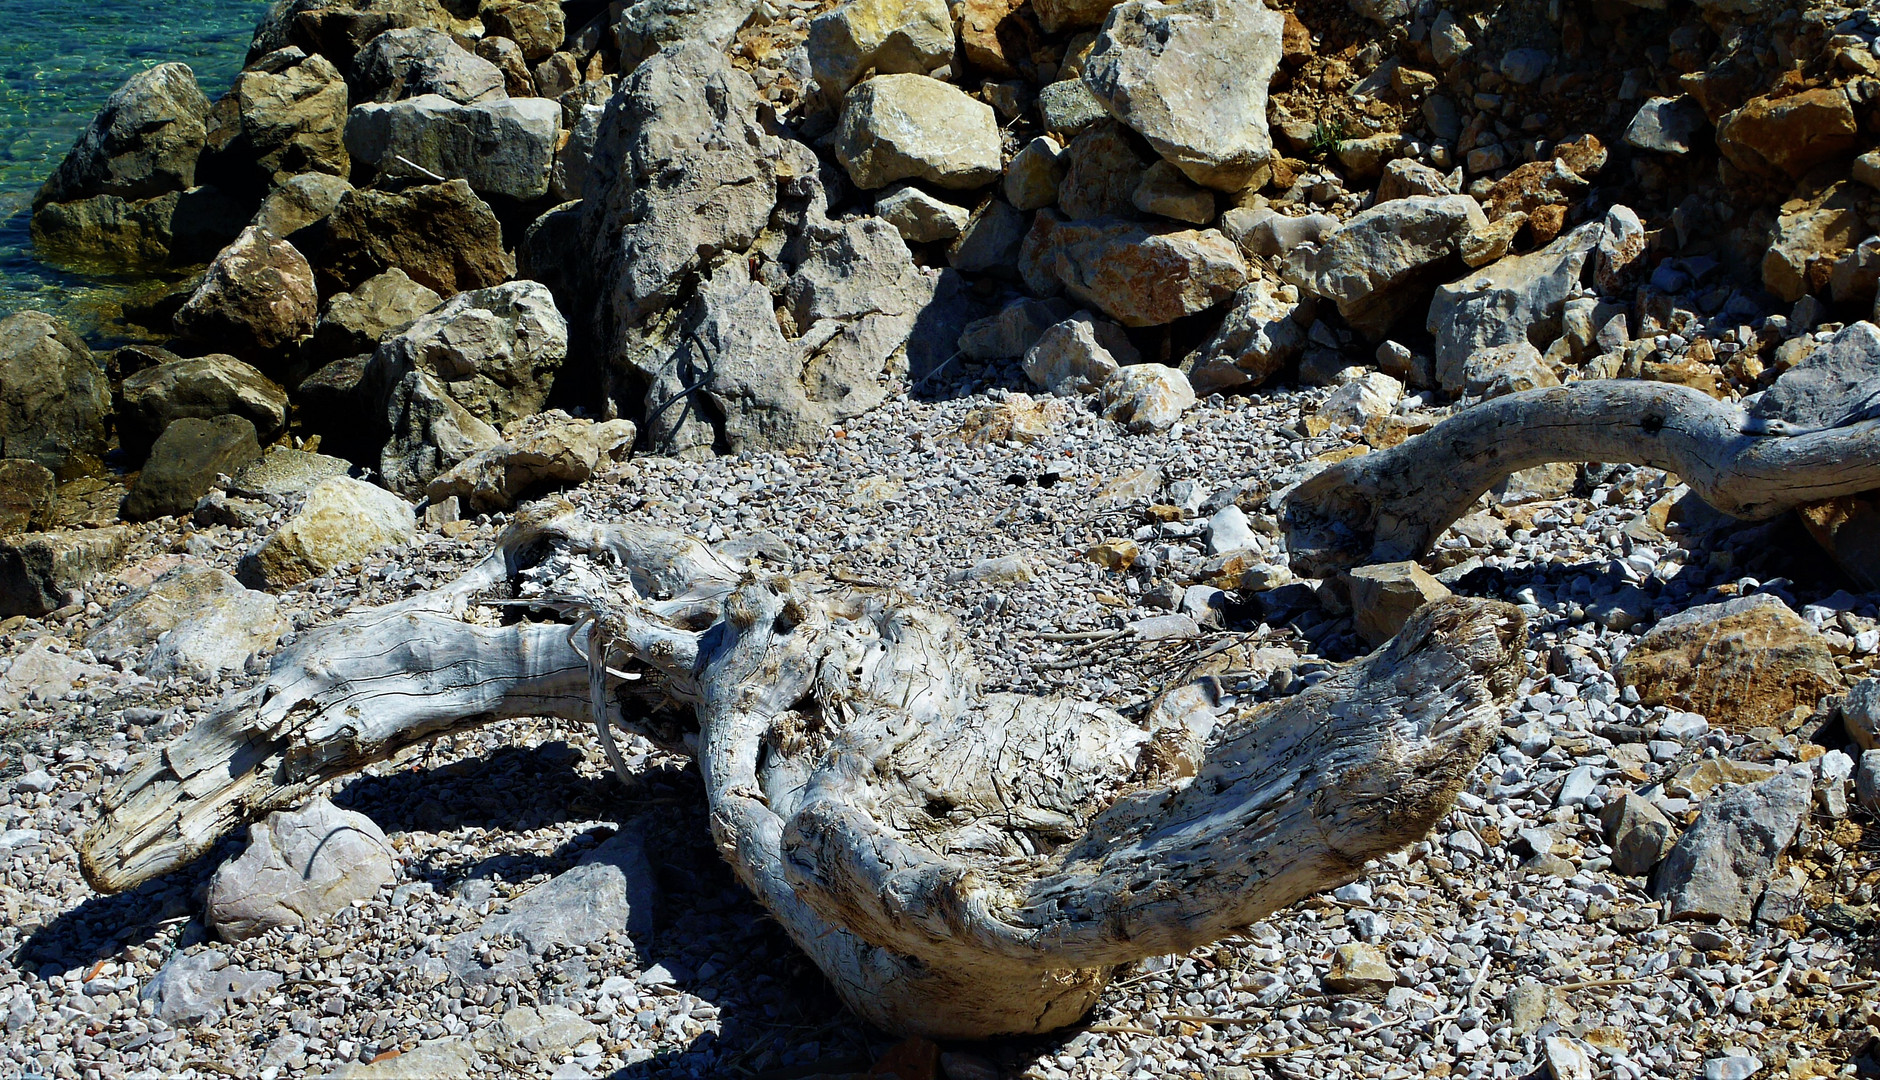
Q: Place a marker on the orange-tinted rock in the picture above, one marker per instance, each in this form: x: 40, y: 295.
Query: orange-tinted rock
x: 1771, y: 136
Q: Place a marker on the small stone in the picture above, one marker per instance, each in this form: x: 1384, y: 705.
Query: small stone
x: 1638, y: 832
x: 1528, y: 1004
x: 1116, y: 554
x: 300, y: 866
x: 1666, y: 125
x: 1566, y: 1060
x: 919, y: 217
x: 1068, y: 108
x: 1147, y: 397
x: 1733, y: 1067
x: 1165, y: 628
x: 1384, y: 596
x: 1357, y: 968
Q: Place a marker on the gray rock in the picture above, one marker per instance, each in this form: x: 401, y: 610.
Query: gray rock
x: 1667, y: 125
x: 1385, y: 595
x: 300, y: 866
x: 1069, y: 108
x: 1368, y: 397
x: 144, y: 142
x: 1616, y: 258
x: 1078, y: 355
x: 184, y: 462
x: 919, y: 217
x: 568, y: 178
x: 38, y: 571
x: 256, y: 297
x: 342, y: 520
x: 430, y: 431
x: 1147, y: 397
x: 1867, y: 781
x: 911, y: 127
x: 1176, y: 627
x: 1836, y: 385
x: 417, y: 60
x: 1034, y: 173
x: 1719, y: 867
x: 1165, y: 192
x: 1374, y: 266
x: 1228, y: 530
x: 1732, y: 1067
x: 503, y: 146
x: 426, y: 1061
x: 27, y: 493
x: 1014, y: 330
x: 285, y: 114
x: 1861, y: 713
x: 53, y: 396
x: 382, y: 305
x: 1101, y: 174
x: 1273, y: 235
x: 1524, y: 67
x: 442, y: 235
x: 1263, y: 331
x: 1638, y: 832
x: 194, y: 621
x: 284, y: 472
x: 990, y: 241
x: 495, y: 351
x: 647, y: 26
x: 611, y: 890
x: 1141, y: 277
x: 543, y: 452
x: 298, y: 202
x: 891, y: 37
x: 196, y: 988
x: 1517, y: 299
x: 537, y: 26
x: 1153, y: 61
x: 1407, y: 176
x: 203, y: 387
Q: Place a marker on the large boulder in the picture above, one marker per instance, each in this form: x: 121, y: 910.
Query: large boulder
x: 1263, y: 331
x: 419, y: 60
x: 429, y: 432
x: 144, y: 141
x: 537, y: 26
x: 1741, y: 664
x: 1191, y: 77
x: 644, y: 27
x: 1789, y: 135
x: 300, y: 866
x: 39, y: 571
x: 1141, y: 276
x: 544, y: 452
x: 203, y: 387
x: 911, y: 127
x: 891, y: 37
x: 285, y: 114
x: 342, y: 520
x: 495, y: 351
x: 257, y: 297
x: 300, y: 201
x: 195, y: 621
x: 1836, y: 385
x: 184, y: 463
x: 442, y: 235
x: 1514, y: 301
x: 504, y: 146
x: 27, y: 493
x: 1720, y: 867
x: 53, y: 396
x: 1376, y: 266
x: 356, y: 321
x: 338, y: 29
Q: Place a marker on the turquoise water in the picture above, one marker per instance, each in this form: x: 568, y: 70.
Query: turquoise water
x: 59, y: 60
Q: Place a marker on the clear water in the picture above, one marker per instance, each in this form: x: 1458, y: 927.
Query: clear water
x: 59, y: 60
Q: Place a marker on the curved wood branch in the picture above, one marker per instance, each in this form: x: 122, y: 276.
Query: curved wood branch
x: 1392, y: 504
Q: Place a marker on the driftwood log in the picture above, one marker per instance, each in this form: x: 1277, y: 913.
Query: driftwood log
x: 1392, y: 505
x: 960, y: 864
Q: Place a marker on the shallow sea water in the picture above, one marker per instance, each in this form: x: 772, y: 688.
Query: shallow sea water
x: 59, y: 60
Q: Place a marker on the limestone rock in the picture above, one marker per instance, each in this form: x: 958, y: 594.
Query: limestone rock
x: 429, y: 433
x: 194, y: 621
x: 38, y: 570
x: 1191, y: 77
x: 26, y: 495
x: 1034, y: 173
x: 538, y: 26
x: 1059, y: 15
x: 1384, y: 595
x: 1813, y: 231
x: 299, y: 201
x: 1141, y: 277
x: 256, y: 297
x: 911, y: 127
x: 53, y: 396
x: 891, y: 37
x: 1069, y: 108
x: 1620, y: 250
x: 338, y: 29
x: 1165, y: 192
x: 203, y: 387
x: 284, y: 472
x: 285, y: 114
x: 1867, y: 781
x: 990, y: 241
x: 1740, y: 664
x: 184, y: 462
x: 508, y: 58
x: 1262, y: 332
x: 442, y: 235
x: 1518, y: 299
x: 1788, y: 135
x: 144, y: 142
x: 1719, y: 867
x: 195, y: 988
x: 419, y: 60
x: 343, y: 520
x: 997, y: 36
x: 495, y: 351
x: 1371, y: 396
x: 1357, y: 967
x: 919, y: 217
x: 567, y: 179
x: 427, y: 1060
x: 1406, y: 176
x: 1667, y: 125
x: 644, y: 27
x: 1372, y: 265
x: 501, y: 146
x: 1147, y: 397
x: 300, y: 866
x: 1836, y: 385
x: 1638, y: 832
x: 1014, y: 330
x: 1273, y: 235
x: 1078, y: 355
x: 542, y: 453
x: 356, y: 321
x: 1101, y: 174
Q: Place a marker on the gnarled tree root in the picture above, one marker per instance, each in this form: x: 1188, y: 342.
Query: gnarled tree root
x: 960, y: 864
x: 1393, y: 504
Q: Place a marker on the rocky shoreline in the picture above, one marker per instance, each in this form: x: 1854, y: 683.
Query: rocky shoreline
x: 1036, y: 313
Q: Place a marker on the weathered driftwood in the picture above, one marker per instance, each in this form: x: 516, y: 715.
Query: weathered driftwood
x: 1393, y: 504
x: 960, y: 864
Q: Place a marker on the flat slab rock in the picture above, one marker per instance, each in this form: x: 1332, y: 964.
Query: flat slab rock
x: 197, y: 987
x: 1719, y: 868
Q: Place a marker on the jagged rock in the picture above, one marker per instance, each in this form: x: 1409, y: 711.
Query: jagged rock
x: 1165, y: 192
x: 1668, y: 125
x: 647, y: 26
x: 611, y: 890
x: 1638, y: 832
x: 1813, y: 231
x: 1069, y: 108
x: 184, y: 462
x: 543, y: 452
x: 919, y: 217
x: 357, y: 321
x: 285, y: 114
x: 442, y: 235
x: 1147, y: 397
x: 437, y: 1057
x: 1368, y: 397
x: 1273, y: 235
x: 990, y: 241
x: 508, y: 58
x: 195, y: 621
x: 299, y: 201
x: 429, y: 433
x: 1385, y: 594
x: 557, y: 76
x: 53, y: 396
x: 39, y: 570
x: 342, y: 520
x: 1100, y: 175
x: 1057, y: 15
x: 1833, y: 386
x: 1867, y: 781
x: 1014, y: 330
x: 891, y: 37
x: 1154, y: 61
x: 1540, y: 190
x: 1357, y: 967
x: 203, y: 387
x: 495, y: 351
x: 911, y: 127
x: 1034, y: 173
x: 1719, y: 867
x: 144, y: 142
x: 567, y: 180
x: 338, y: 29
x: 1789, y: 135
x: 997, y: 36
x: 1373, y: 265
x: 537, y: 26
x: 1518, y: 299
x: 109, y: 233
x: 414, y: 61
x: 1856, y: 274
x: 300, y: 866
x: 27, y: 491
x: 503, y: 146
x: 196, y: 988
x: 1141, y: 277
x: 1620, y: 250
x: 1739, y: 664
x: 256, y: 297
x: 1078, y: 355
x: 1263, y: 331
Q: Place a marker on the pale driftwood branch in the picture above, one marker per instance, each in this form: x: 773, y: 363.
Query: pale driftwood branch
x: 1393, y: 504
x: 960, y: 864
